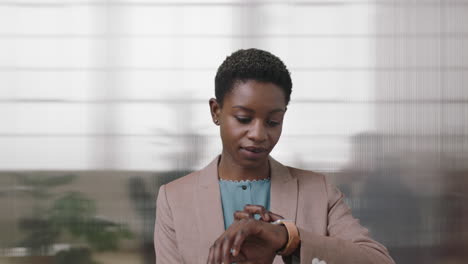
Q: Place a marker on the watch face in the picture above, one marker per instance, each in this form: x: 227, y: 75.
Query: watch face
x: 278, y: 222
x: 281, y: 221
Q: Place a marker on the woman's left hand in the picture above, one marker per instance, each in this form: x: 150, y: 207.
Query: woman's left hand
x: 248, y: 239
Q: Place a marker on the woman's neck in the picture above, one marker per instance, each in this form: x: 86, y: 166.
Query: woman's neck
x: 229, y: 170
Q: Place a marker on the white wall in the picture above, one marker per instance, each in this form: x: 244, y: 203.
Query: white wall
x: 125, y: 84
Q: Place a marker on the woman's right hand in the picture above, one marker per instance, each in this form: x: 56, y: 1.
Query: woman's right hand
x: 250, y: 210
x: 250, y: 240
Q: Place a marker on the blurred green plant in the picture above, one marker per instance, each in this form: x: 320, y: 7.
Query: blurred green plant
x: 75, y: 256
x: 70, y: 212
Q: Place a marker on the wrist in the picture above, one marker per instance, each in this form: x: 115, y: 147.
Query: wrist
x: 293, y: 238
x: 283, y: 238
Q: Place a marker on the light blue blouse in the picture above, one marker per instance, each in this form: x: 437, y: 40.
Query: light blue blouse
x: 236, y: 194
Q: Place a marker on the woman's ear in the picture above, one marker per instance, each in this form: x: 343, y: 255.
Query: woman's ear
x: 215, y: 110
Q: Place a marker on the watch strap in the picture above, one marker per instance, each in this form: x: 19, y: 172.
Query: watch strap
x: 293, y: 237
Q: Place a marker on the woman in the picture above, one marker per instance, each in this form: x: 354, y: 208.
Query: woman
x: 244, y: 206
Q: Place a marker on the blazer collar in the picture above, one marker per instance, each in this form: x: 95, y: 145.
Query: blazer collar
x: 283, y: 192
x: 210, y: 220
x: 209, y: 216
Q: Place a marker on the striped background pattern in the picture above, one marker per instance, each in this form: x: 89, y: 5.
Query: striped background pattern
x: 120, y: 84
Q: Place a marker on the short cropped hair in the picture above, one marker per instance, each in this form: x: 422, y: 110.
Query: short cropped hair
x: 251, y: 64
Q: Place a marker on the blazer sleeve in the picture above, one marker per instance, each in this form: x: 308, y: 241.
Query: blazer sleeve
x: 165, y: 242
x: 347, y: 241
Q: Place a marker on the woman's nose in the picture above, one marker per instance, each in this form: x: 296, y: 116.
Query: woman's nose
x: 257, y: 132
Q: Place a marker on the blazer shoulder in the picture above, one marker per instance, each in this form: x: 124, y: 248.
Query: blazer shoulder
x: 314, y: 182
x: 306, y: 175
x: 181, y: 190
x: 182, y: 185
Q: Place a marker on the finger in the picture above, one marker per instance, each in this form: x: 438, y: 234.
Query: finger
x: 222, y: 249
x: 226, y: 249
x: 245, y: 230
x: 257, y: 209
x: 237, y: 244
x: 217, y: 255
x: 274, y: 217
x: 210, y: 256
x: 240, y: 258
x: 238, y: 215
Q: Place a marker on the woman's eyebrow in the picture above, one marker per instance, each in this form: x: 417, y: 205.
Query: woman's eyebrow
x: 252, y: 111
x: 244, y: 108
x: 277, y: 110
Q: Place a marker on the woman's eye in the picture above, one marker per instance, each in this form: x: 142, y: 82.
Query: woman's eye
x: 273, y: 123
x: 243, y: 120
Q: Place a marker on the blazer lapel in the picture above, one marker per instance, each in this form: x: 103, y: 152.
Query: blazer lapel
x: 209, y: 215
x: 283, y: 192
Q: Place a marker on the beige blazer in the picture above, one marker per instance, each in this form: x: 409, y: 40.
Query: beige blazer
x: 189, y: 218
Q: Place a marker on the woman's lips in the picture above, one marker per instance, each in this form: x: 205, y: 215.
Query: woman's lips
x: 253, y: 152
x: 255, y: 149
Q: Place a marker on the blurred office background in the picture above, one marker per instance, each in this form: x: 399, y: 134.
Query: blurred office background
x: 103, y: 101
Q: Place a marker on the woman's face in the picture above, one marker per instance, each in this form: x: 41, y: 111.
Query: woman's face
x: 251, y: 121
